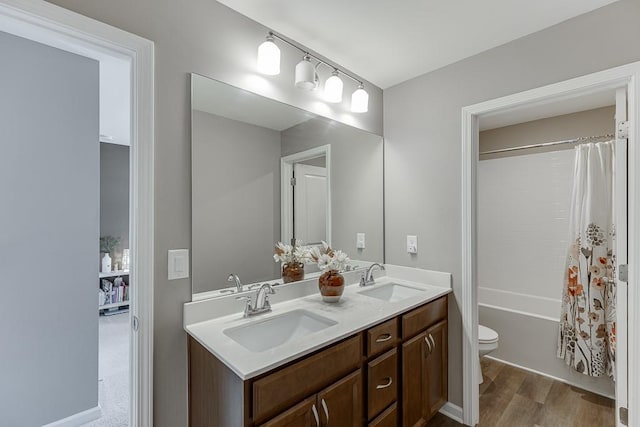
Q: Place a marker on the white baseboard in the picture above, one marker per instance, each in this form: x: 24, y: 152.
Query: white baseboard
x: 562, y: 380
x: 452, y: 411
x: 78, y: 419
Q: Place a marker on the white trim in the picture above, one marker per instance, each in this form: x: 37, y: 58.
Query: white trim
x: 452, y: 411
x: 286, y: 192
x: 543, y: 374
x: 627, y: 75
x: 55, y: 26
x: 78, y: 419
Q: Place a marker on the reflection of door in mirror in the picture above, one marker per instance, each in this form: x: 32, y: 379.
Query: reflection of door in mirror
x: 310, y: 202
x: 306, y: 196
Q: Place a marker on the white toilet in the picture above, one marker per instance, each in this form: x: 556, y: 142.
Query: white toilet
x: 487, y: 342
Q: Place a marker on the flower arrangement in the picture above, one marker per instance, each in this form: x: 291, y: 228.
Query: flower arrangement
x: 328, y: 259
x: 290, y: 254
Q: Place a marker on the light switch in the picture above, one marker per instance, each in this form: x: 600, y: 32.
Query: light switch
x: 178, y: 265
x: 412, y: 244
x: 360, y: 240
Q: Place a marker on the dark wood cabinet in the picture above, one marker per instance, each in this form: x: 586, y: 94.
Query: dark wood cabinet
x: 415, y: 410
x: 424, y: 373
x: 437, y: 368
x: 340, y: 405
x: 392, y: 374
x: 301, y: 415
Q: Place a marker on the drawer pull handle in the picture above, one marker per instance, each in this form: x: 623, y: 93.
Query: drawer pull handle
x: 384, y: 338
x: 315, y: 414
x: 426, y: 339
x: 326, y: 410
x: 389, y: 382
x: 433, y: 343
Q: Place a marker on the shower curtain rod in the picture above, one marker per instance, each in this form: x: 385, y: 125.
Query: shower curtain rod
x: 580, y: 140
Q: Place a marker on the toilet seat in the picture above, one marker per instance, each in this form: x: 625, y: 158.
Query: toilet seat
x: 487, y: 335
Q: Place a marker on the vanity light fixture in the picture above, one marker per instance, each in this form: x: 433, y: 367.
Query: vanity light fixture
x: 306, y: 75
x: 333, y: 88
x: 360, y: 100
x: 269, y: 57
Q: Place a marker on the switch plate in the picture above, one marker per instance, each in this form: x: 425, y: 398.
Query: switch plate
x: 178, y: 264
x: 360, y: 240
x: 412, y: 244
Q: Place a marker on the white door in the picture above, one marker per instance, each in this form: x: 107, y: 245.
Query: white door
x: 310, y: 203
x: 620, y: 192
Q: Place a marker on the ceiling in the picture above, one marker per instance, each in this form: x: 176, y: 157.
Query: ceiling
x: 390, y: 41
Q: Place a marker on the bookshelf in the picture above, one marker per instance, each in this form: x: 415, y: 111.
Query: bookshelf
x: 115, y: 306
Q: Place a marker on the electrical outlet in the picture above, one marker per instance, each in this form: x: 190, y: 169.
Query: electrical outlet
x: 412, y: 244
x: 360, y: 240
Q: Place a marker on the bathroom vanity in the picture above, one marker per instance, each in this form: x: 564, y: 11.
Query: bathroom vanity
x: 380, y: 360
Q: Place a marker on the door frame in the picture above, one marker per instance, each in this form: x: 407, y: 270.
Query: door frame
x: 624, y: 76
x: 286, y: 192
x: 55, y: 26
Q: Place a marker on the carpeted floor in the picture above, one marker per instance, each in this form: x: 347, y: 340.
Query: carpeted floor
x: 113, y: 370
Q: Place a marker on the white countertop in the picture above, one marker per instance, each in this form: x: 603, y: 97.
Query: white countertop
x: 353, y: 313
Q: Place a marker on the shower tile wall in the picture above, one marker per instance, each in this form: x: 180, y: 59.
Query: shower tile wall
x: 523, y: 224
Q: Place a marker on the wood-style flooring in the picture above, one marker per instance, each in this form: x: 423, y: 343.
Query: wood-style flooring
x: 511, y: 397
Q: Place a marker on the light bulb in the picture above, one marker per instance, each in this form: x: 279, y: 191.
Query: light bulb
x: 360, y: 100
x: 269, y: 57
x: 333, y: 88
x: 306, y: 77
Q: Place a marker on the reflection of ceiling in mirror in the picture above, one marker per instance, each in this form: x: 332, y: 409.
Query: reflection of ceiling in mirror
x: 214, y: 97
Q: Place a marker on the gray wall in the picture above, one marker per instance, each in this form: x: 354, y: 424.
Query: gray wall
x: 49, y: 171
x: 356, y: 183
x: 236, y: 201
x: 114, y: 193
x: 205, y: 37
x: 422, y: 128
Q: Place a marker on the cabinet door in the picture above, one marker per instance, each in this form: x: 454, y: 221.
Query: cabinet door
x: 340, y: 404
x: 436, y: 367
x: 415, y: 409
x: 304, y: 414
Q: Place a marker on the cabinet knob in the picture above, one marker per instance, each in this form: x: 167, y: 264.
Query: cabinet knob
x: 426, y: 339
x: 389, y: 382
x: 384, y: 338
x: 433, y: 343
x: 315, y: 414
x: 326, y: 410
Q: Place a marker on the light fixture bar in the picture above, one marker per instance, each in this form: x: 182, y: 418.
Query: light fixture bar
x: 306, y: 52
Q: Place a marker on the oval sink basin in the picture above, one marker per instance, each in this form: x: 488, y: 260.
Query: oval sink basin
x: 263, y: 335
x: 392, y: 292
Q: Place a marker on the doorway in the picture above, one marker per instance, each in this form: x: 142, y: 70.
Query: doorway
x: 52, y: 26
x: 527, y: 103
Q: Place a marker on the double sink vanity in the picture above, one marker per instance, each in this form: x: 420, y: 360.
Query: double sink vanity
x: 376, y: 358
x: 268, y: 353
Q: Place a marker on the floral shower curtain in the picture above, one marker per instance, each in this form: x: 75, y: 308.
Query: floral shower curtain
x: 588, y: 322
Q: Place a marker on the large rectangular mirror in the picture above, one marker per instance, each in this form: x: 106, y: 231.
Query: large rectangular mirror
x: 264, y: 172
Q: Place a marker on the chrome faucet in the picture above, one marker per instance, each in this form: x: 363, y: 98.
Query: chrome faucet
x: 234, y: 278
x: 367, y: 278
x: 262, y: 304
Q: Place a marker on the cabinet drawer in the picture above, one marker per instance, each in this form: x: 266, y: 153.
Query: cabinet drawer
x: 278, y: 391
x: 382, y: 337
x: 382, y: 382
x: 421, y: 318
x: 388, y: 418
